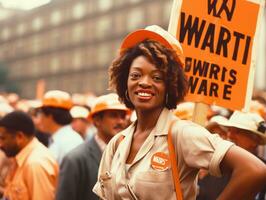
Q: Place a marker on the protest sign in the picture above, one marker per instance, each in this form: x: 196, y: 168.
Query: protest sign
x: 219, y: 38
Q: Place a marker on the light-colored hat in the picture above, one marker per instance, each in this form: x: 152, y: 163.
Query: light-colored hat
x: 79, y: 112
x: 107, y: 102
x: 156, y: 33
x: 5, y: 108
x: 247, y: 121
x: 185, y: 110
x: 57, y: 99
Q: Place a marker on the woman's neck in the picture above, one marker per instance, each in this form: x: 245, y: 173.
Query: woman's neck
x: 146, y: 120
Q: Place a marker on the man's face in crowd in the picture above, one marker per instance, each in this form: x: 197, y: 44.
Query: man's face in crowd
x: 111, y: 122
x: 244, y: 139
x: 8, y: 142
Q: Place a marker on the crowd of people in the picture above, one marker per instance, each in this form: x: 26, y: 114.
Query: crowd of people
x: 116, y: 146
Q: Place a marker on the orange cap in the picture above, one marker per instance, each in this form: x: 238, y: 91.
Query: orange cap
x: 57, y: 99
x: 107, y: 102
x: 156, y: 33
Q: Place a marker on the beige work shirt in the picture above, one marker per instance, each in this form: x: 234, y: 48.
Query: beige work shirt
x: 195, y: 147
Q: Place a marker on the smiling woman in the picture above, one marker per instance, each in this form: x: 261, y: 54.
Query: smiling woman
x: 24, y: 5
x: 148, y: 77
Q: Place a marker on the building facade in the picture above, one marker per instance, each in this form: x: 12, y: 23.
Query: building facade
x: 70, y: 44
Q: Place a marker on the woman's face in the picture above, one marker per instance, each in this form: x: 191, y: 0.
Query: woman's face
x: 146, y: 85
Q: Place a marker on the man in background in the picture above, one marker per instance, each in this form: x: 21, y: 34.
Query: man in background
x: 55, y: 119
x: 79, y: 169
x: 80, y: 122
x: 34, y: 171
x: 247, y: 130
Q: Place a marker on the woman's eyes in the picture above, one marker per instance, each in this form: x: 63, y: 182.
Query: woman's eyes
x: 134, y: 76
x: 155, y: 77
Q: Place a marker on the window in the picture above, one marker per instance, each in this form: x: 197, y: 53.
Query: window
x: 37, y: 24
x: 119, y: 22
x: 167, y: 12
x: 79, y: 10
x: 78, y: 31
x: 36, y: 44
x: 119, y: 2
x: 89, y: 56
x: 34, y: 68
x: 135, y: 19
x: 5, y: 33
x: 103, y: 54
x: 21, y: 28
x: 104, y: 4
x: 103, y: 27
x: 135, y: 1
x: 56, y: 17
x: 154, y: 12
x: 77, y: 59
x: 54, y: 66
x: 55, y: 38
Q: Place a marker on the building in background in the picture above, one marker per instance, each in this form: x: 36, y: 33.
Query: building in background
x: 7, y: 12
x: 70, y: 43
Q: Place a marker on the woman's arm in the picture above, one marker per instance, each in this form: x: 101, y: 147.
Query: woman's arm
x: 248, y: 174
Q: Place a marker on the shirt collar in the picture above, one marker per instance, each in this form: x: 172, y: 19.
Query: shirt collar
x: 162, y: 125
x: 59, y: 132
x: 24, y: 153
x: 100, y: 142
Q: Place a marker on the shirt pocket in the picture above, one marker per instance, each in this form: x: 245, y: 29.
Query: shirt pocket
x: 106, y: 184
x: 19, y: 191
x: 155, y: 185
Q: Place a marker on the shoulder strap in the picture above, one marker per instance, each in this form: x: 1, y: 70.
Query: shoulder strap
x: 174, y: 163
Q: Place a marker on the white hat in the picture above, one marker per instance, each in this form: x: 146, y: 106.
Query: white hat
x: 5, y: 108
x: 79, y: 112
x: 247, y: 121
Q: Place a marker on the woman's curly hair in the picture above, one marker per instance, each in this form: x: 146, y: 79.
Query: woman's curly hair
x: 165, y: 59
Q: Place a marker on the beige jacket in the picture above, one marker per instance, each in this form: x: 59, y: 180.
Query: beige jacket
x: 195, y: 148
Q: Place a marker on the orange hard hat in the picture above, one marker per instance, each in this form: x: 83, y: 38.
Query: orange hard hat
x: 107, y: 102
x: 156, y: 33
x: 57, y: 99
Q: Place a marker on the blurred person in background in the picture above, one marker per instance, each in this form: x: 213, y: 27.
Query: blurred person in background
x: 55, y: 119
x: 13, y: 99
x: 78, y: 172
x: 248, y: 131
x: 5, y: 108
x: 34, y: 108
x: 34, y: 170
x: 80, y: 120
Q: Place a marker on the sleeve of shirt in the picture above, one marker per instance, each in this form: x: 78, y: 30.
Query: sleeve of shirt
x: 41, y: 179
x: 201, y: 149
x: 68, y: 179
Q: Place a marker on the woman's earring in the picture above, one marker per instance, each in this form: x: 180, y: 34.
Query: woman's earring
x: 127, y: 96
x: 166, y: 99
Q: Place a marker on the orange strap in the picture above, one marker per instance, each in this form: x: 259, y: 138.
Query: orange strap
x: 174, y: 163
